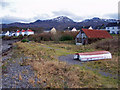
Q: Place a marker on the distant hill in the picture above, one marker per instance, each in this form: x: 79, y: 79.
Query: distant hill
x: 61, y: 23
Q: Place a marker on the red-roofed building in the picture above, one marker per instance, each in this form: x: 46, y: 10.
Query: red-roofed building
x: 29, y: 32
x: 86, y: 35
x: 17, y: 33
x: 23, y: 32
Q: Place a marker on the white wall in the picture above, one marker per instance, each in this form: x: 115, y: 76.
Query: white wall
x: 29, y: 33
x: 113, y: 29
x: 17, y: 34
x: 7, y: 33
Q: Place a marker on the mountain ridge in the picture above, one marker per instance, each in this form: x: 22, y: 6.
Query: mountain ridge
x: 61, y: 23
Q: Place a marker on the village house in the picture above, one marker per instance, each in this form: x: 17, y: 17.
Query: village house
x: 29, y: 32
x: 7, y: 33
x: 85, y: 36
x: 18, y: 32
x: 53, y: 30
x: 23, y: 32
x: 113, y: 28
x: 90, y: 27
x: 74, y: 29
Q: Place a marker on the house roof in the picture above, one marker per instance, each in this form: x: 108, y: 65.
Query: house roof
x: 74, y: 29
x: 18, y: 31
x: 29, y: 30
x: 96, y: 33
x: 23, y: 30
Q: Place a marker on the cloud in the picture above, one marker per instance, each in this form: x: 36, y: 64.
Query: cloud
x: 11, y: 19
x: 41, y: 17
x: 112, y: 15
x: 4, y: 4
x: 68, y: 14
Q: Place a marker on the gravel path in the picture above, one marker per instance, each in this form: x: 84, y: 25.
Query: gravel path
x: 14, y: 74
x: 69, y: 59
x: 17, y: 76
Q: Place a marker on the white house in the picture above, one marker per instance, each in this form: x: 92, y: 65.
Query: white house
x: 12, y: 33
x: 74, y: 29
x: 23, y: 32
x: 29, y: 32
x: 53, y: 30
x: 7, y: 33
x: 113, y: 28
x: 17, y: 33
x: 90, y: 27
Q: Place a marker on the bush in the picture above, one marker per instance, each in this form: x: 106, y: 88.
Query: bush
x: 24, y: 40
x: 108, y: 44
x: 65, y: 38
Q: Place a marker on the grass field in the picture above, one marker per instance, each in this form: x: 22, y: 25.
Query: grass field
x: 55, y: 74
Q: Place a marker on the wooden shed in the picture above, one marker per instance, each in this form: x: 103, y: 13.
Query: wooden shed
x: 86, y: 35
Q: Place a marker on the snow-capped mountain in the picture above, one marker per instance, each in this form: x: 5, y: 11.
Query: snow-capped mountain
x: 96, y: 19
x: 62, y: 23
x: 62, y: 19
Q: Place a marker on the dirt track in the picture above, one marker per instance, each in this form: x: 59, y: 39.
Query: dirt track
x: 69, y: 59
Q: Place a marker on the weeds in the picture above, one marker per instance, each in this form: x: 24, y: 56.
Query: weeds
x: 55, y: 74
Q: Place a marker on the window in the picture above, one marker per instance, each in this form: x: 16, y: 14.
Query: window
x: 79, y: 40
x: 118, y: 32
x: 113, y: 28
x: 108, y: 31
x: 113, y: 32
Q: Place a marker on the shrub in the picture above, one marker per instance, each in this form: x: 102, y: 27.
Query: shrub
x: 65, y: 38
x: 108, y: 44
x: 24, y: 40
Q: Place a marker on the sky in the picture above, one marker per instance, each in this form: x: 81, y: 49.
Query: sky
x: 31, y: 10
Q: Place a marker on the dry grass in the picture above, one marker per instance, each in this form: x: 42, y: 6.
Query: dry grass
x: 20, y: 77
x: 55, y: 74
x: 31, y: 81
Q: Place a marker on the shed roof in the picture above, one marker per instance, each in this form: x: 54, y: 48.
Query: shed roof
x: 94, y: 53
x: 96, y: 33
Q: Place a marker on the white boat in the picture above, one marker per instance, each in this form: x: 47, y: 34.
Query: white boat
x: 96, y: 55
